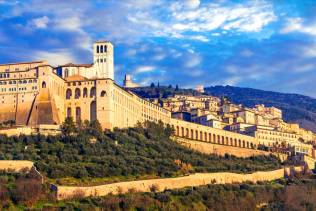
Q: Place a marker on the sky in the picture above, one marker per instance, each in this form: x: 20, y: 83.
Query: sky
x: 269, y: 45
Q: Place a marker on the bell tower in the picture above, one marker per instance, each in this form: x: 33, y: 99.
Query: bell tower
x: 103, y: 59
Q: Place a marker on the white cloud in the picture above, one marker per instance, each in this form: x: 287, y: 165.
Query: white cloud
x: 192, y: 60
x: 246, y: 53
x: 232, y: 81
x: 199, y: 38
x: 192, y: 4
x: 159, y: 57
x: 40, y: 23
x: 297, y: 25
x: 58, y: 57
x: 144, y: 69
x: 72, y: 23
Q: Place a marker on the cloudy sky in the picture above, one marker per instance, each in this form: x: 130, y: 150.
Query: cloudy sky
x: 269, y: 45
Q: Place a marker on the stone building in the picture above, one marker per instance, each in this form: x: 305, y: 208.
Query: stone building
x: 128, y: 83
x: 35, y: 94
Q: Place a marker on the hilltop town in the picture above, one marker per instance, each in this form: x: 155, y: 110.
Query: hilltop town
x: 37, y: 96
x: 88, y: 126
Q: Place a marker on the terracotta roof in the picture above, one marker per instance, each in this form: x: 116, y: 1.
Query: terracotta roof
x: 75, y: 78
x: 33, y: 62
x: 76, y: 65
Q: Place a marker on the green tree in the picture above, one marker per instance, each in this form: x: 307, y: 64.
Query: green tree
x: 96, y: 129
x: 68, y: 127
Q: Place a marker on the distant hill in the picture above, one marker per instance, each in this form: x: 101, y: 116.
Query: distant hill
x: 296, y: 108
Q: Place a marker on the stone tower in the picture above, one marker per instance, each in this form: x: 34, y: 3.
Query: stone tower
x: 103, y: 59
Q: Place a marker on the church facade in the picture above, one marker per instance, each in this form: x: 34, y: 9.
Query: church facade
x: 35, y: 93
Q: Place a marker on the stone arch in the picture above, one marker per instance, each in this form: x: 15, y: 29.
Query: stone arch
x: 205, y: 136
x: 239, y: 142
x: 77, y: 93
x: 85, y: 92
x: 243, y: 144
x: 93, y: 111
x: 226, y: 141
x: 201, y: 135
x: 182, y: 132
x: 235, y: 140
x: 78, y: 114
x: 192, y: 134
x: 196, y: 135
x: 92, y: 92
x: 247, y: 144
x: 223, y: 140
x: 210, y: 137
x: 68, y: 94
x: 187, y: 133
x: 214, y: 138
x: 103, y: 93
x: 218, y: 139
x: 231, y: 141
x: 43, y: 84
x: 177, y: 131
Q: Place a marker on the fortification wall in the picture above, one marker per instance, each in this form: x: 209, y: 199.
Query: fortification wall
x: 203, y: 133
x: 17, y: 131
x: 64, y: 192
x: 15, y: 165
x: 210, y: 148
x: 310, y: 162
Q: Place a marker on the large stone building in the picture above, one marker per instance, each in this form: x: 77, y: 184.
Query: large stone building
x: 36, y: 94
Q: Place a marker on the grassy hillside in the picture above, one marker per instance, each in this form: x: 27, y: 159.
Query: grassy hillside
x: 296, y: 108
x: 129, y: 153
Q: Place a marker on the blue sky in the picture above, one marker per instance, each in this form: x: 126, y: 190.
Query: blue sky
x: 269, y: 45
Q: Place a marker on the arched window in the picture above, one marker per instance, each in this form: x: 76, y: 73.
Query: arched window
x: 68, y: 94
x: 101, y: 49
x: 103, y: 94
x: 93, y: 111
x: 85, y: 92
x: 77, y: 93
x: 92, y: 92
x: 78, y: 114
x: 98, y: 50
x: 68, y: 112
x: 66, y: 73
x: 44, y: 84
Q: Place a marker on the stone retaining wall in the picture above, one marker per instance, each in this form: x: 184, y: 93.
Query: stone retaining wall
x: 64, y: 192
x: 210, y: 148
x: 15, y: 165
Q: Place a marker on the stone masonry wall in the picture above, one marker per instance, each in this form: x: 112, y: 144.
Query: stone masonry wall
x: 15, y: 165
x: 209, y: 148
x: 64, y: 192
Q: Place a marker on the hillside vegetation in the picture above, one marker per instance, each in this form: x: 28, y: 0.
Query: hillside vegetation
x: 132, y: 152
